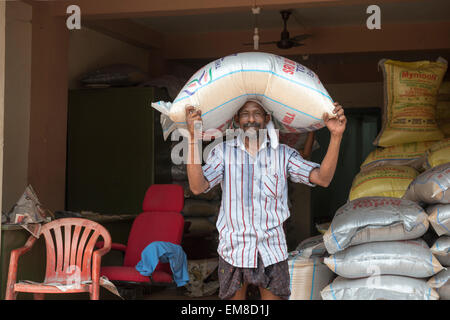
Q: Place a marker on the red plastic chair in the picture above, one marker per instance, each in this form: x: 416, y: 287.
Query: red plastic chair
x: 73, y: 261
x: 161, y: 220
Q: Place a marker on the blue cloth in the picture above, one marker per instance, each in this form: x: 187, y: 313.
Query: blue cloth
x: 164, y: 252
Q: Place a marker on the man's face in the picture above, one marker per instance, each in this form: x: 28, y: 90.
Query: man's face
x: 252, y: 117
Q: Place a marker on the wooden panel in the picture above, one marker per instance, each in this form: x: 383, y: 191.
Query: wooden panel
x: 110, y: 149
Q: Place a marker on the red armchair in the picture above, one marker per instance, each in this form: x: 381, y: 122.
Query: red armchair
x: 161, y: 220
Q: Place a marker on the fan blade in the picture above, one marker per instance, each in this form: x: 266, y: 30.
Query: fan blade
x: 300, y: 37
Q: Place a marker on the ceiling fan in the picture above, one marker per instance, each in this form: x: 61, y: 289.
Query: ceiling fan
x: 286, y: 42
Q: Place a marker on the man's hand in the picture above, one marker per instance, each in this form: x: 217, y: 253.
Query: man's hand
x: 192, y: 115
x: 336, y: 125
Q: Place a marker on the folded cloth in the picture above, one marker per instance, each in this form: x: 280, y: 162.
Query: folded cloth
x: 273, y: 136
x: 164, y: 252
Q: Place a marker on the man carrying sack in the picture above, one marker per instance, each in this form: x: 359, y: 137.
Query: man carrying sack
x: 253, y: 169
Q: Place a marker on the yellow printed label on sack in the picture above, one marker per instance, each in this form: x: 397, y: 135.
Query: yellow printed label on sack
x: 410, y: 91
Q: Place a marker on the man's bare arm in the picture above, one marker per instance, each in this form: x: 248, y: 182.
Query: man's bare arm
x: 197, y: 182
x: 322, y: 176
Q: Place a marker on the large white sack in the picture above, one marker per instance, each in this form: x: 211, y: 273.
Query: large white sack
x: 308, y: 277
x: 411, y: 258
x: 431, y: 186
x: 441, y: 283
x: 441, y: 248
x: 292, y: 93
x: 385, y: 287
x: 439, y: 217
x: 372, y: 219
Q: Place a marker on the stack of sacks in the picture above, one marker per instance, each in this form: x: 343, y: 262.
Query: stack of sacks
x: 308, y: 274
x: 409, y: 128
x: 431, y: 190
x: 441, y: 248
x: 377, y: 252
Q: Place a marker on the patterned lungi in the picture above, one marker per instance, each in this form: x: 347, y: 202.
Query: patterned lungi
x: 274, y: 278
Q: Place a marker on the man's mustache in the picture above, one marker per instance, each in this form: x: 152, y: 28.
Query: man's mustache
x: 252, y: 125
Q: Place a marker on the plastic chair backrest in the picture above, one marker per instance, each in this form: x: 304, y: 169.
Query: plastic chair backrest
x: 69, y: 245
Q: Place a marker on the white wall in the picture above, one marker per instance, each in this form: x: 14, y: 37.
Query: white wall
x: 89, y: 50
x: 17, y: 101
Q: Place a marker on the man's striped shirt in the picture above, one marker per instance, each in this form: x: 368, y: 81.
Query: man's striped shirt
x: 254, y: 199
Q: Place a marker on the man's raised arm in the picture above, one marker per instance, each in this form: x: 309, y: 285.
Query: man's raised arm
x: 323, y: 175
x: 197, y: 181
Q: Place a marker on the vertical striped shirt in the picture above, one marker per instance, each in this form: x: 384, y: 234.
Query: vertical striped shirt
x: 254, y: 199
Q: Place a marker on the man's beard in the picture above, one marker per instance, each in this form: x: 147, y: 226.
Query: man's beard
x: 254, y: 132
x: 252, y: 129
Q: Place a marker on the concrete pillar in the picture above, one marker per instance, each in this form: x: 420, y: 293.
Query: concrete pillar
x: 48, y: 108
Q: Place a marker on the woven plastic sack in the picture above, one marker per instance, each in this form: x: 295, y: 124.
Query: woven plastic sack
x: 439, y: 218
x: 308, y: 277
x: 408, y: 154
x: 200, y: 225
x: 438, y: 153
x: 410, y: 97
x: 374, y: 219
x: 411, y: 258
x: 292, y: 93
x: 441, y: 249
x: 312, y: 246
x: 431, y: 186
x: 441, y: 283
x: 385, y: 287
x: 200, y: 208
x: 386, y: 181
